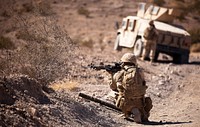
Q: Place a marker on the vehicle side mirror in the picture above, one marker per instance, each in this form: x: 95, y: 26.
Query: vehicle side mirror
x: 116, y: 25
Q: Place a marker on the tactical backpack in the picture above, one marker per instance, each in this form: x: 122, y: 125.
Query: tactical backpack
x: 134, y: 83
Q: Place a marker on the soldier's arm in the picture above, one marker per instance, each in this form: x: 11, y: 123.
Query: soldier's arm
x: 112, y: 83
x: 118, y: 79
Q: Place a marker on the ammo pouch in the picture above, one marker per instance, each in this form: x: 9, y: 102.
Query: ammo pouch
x: 120, y: 102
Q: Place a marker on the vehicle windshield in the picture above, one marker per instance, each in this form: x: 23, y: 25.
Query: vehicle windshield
x: 123, y: 23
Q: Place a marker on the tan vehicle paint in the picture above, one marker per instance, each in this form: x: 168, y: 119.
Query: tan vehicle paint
x: 172, y: 40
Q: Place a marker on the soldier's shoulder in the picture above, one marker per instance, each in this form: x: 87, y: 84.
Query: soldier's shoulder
x: 139, y: 69
x: 131, y: 69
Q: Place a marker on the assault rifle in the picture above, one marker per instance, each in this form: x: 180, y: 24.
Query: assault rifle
x: 109, y: 68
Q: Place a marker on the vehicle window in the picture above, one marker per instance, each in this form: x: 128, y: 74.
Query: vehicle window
x: 155, y: 10
x: 123, y: 23
x: 130, y: 24
x: 141, y: 7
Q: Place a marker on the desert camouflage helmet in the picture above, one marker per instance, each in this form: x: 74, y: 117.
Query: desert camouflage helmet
x: 151, y: 22
x: 129, y: 57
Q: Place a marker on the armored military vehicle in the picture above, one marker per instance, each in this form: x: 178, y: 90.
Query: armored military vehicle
x: 172, y: 40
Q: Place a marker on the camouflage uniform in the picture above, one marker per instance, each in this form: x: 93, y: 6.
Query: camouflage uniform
x: 130, y: 84
x: 150, y: 37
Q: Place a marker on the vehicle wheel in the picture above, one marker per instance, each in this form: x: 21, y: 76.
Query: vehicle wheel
x: 138, y: 48
x: 185, y: 58
x: 181, y: 58
x: 116, y: 46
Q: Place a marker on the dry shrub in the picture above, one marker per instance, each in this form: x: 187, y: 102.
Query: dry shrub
x: 194, y: 6
x: 27, y: 36
x: 6, y: 43
x: 5, y: 14
x: 159, y: 2
x: 47, y: 53
x: 44, y: 8
x: 86, y: 42
x: 180, y: 0
x: 31, y: 6
x: 65, y: 86
x: 27, y: 7
x: 195, y: 34
x: 186, y: 6
x: 83, y: 11
x: 195, y: 47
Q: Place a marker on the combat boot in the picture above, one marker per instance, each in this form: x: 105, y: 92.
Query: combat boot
x: 136, y: 115
x: 146, y: 58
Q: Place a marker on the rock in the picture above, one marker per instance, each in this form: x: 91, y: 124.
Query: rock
x: 32, y: 111
x: 161, y: 82
x: 158, y: 94
x: 45, y: 108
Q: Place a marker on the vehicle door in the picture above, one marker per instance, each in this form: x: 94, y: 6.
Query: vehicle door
x: 130, y: 34
x: 124, y: 33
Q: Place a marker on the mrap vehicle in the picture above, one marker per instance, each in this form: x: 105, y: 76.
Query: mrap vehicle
x: 172, y: 39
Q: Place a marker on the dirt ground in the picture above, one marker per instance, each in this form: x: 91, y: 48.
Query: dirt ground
x: 173, y: 88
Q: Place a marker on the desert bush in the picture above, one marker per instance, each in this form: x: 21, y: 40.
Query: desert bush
x: 47, y: 54
x: 27, y: 36
x: 6, y: 43
x: 65, y: 85
x: 44, y: 8
x: 195, y: 47
x: 159, y: 2
x: 83, y: 11
x: 6, y: 14
x: 194, y: 6
x: 27, y: 7
x: 187, y: 7
x: 182, y: 16
x: 41, y: 7
x: 86, y: 42
x: 195, y: 35
x: 180, y: 0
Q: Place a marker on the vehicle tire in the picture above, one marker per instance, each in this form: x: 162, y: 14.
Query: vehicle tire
x: 181, y: 58
x: 185, y: 58
x: 138, y: 48
x: 116, y: 46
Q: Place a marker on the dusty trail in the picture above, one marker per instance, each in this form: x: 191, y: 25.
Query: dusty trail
x: 173, y: 88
